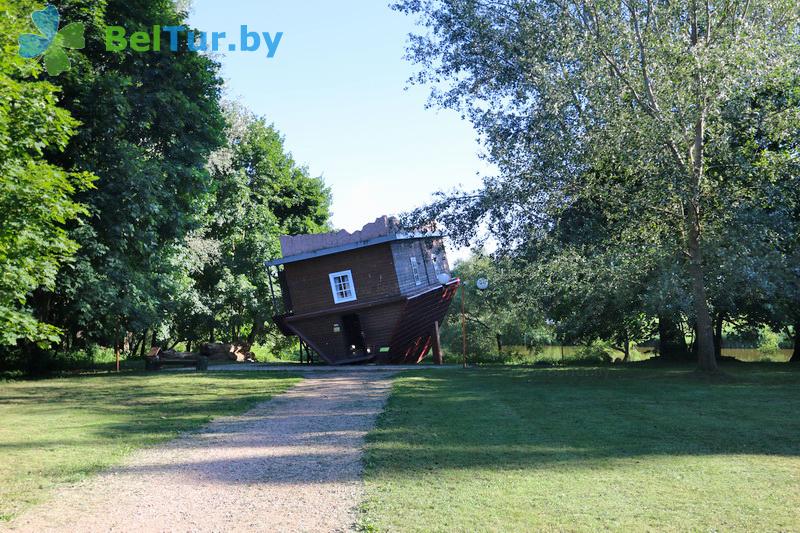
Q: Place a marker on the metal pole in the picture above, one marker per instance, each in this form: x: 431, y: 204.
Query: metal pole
x: 437, y: 344
x: 463, y: 327
x: 116, y: 344
x: 271, y: 290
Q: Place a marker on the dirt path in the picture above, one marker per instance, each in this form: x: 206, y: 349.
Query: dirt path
x: 290, y: 464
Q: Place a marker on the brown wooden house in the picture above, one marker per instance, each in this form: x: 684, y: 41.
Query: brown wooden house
x: 377, y: 294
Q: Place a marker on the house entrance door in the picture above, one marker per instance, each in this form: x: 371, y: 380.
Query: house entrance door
x: 353, y: 334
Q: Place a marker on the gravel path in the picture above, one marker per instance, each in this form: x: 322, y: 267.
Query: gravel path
x: 290, y: 464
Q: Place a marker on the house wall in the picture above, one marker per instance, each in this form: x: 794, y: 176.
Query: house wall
x: 373, y: 272
x: 379, y: 272
x: 424, y: 250
x: 378, y: 324
x: 437, y: 250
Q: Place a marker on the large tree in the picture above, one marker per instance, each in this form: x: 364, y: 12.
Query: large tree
x: 149, y: 122
x: 561, y: 88
x: 36, y: 197
x: 259, y: 193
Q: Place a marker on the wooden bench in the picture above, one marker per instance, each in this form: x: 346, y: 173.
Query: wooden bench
x: 155, y: 360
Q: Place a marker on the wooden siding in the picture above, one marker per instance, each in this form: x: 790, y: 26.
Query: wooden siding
x: 413, y: 336
x: 403, y: 251
x: 437, y: 250
x: 373, y: 272
x: 424, y: 251
x: 378, y: 323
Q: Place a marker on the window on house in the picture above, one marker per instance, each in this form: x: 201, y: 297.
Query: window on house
x: 415, y: 271
x: 342, y: 286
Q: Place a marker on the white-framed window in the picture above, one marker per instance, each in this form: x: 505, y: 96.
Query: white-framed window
x: 436, y: 268
x: 342, y: 286
x: 415, y: 271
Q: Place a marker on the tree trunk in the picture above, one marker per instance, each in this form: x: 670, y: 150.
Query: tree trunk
x: 255, y: 331
x: 671, y: 342
x: 137, y: 346
x: 796, y: 352
x: 144, y: 344
x: 718, y: 323
x: 705, y: 331
x: 627, y: 351
x: 127, y: 339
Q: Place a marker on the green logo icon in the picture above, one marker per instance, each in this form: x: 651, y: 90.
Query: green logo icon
x: 52, y: 42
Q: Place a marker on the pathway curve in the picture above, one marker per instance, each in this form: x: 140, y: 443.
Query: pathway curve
x: 292, y: 463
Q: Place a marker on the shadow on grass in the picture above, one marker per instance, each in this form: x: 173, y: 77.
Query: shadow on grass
x: 142, y: 408
x: 535, y: 418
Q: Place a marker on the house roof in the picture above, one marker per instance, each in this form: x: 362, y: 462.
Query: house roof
x: 383, y: 230
x: 351, y: 246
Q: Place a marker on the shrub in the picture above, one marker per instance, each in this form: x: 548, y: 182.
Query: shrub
x: 596, y: 352
x: 266, y: 353
x: 768, y: 343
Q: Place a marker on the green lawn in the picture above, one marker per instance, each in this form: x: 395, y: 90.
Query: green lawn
x: 59, y: 430
x: 628, y: 449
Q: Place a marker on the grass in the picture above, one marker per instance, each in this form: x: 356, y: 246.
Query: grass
x: 751, y: 355
x: 60, y: 430
x: 616, y: 448
x: 556, y: 354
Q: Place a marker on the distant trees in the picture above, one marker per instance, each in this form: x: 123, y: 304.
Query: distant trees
x: 664, y: 133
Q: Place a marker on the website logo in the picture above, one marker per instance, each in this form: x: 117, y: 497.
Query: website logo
x: 117, y: 39
x: 52, y: 42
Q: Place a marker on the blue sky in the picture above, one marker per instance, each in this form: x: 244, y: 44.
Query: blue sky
x: 336, y: 89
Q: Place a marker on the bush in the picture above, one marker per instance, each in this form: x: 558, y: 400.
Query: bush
x: 769, y: 343
x: 266, y: 353
x: 596, y: 352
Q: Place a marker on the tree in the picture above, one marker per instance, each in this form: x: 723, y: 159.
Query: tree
x: 36, y: 197
x: 561, y: 88
x: 259, y: 193
x: 149, y: 122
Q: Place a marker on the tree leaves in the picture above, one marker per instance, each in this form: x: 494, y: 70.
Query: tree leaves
x: 629, y: 109
x: 36, y: 197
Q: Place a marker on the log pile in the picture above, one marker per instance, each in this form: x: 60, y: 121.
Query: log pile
x: 218, y: 351
x: 172, y: 354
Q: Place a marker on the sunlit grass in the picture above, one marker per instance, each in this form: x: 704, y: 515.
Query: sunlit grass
x: 626, y: 449
x: 60, y: 430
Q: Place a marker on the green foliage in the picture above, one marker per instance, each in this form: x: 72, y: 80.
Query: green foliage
x: 149, y: 122
x: 36, y: 197
x: 276, y: 352
x: 597, y: 352
x: 259, y: 193
x: 182, y: 217
x: 504, y: 309
x: 769, y: 343
x: 647, y: 154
